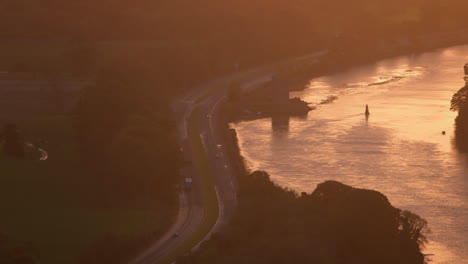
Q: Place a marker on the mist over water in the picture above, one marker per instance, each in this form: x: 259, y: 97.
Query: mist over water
x: 399, y: 151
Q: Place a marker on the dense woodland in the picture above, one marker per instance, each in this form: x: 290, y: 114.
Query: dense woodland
x: 124, y: 127
x: 334, y: 224
x: 128, y: 145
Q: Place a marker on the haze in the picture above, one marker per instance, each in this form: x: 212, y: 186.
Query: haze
x: 301, y: 131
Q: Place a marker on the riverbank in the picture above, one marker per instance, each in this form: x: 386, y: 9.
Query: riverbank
x: 332, y: 63
x: 333, y: 224
x: 400, y: 150
x: 341, y: 59
x: 258, y: 102
x: 231, y: 134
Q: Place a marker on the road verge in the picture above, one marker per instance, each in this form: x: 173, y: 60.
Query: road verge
x: 207, y: 190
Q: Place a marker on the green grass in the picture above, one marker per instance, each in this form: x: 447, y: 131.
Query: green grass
x: 209, y: 197
x: 52, y: 203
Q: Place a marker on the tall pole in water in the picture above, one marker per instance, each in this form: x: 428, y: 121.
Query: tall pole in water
x: 367, y: 110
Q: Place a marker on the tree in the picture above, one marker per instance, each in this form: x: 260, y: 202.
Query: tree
x: 335, y: 224
x: 460, y: 100
x: 413, y: 234
x: 460, y: 103
x: 414, y: 228
x: 12, y: 145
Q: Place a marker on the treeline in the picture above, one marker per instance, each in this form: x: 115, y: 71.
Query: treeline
x: 334, y: 224
x: 460, y: 104
x: 128, y: 138
x: 198, y: 40
x: 240, y: 20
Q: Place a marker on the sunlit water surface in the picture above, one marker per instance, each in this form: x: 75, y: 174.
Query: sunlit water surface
x: 399, y: 151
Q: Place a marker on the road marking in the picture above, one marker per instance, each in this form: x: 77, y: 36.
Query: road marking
x: 199, y: 94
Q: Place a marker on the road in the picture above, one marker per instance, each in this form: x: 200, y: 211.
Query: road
x: 44, y: 155
x: 206, y: 99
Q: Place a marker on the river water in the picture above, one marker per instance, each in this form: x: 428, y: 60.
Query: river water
x: 400, y: 150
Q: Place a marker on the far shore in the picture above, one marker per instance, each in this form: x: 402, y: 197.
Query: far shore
x: 339, y: 62
x: 343, y: 59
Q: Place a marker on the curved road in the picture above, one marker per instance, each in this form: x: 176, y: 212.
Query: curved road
x: 44, y: 155
x: 206, y: 99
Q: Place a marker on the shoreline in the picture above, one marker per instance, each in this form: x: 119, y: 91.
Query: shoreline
x: 235, y: 149
x: 328, y: 65
x: 324, y: 68
x: 353, y: 58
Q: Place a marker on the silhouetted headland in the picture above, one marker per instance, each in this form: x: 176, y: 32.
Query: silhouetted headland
x: 460, y: 104
x: 277, y: 225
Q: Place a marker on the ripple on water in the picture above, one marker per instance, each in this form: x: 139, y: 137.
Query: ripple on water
x: 399, y: 151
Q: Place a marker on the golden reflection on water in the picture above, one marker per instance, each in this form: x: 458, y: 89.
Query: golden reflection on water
x: 400, y: 150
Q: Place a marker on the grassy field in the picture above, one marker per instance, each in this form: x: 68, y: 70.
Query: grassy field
x: 52, y: 204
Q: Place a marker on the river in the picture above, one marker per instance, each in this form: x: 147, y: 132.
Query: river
x: 400, y: 150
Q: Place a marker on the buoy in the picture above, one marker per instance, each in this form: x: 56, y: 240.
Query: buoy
x: 367, y: 110
x: 443, y: 132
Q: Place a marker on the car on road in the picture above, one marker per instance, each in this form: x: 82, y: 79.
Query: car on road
x: 188, y: 184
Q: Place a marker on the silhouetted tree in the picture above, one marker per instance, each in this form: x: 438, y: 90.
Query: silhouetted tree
x: 460, y: 100
x: 335, y: 224
x: 413, y: 229
x: 12, y: 145
x: 460, y: 103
